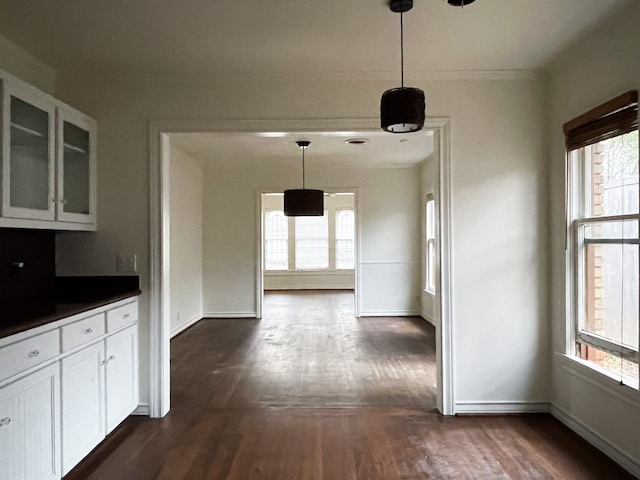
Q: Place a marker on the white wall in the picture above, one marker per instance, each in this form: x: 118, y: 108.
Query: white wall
x: 429, y: 185
x: 185, y: 199
x: 501, y: 332
x: 389, y: 224
x: 21, y: 64
x: 597, y: 68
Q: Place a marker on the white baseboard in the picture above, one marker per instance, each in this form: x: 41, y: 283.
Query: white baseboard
x: 142, y: 410
x: 229, y: 315
x: 309, y: 287
x: 185, y: 325
x: 617, y: 455
x: 497, y: 408
x: 390, y: 313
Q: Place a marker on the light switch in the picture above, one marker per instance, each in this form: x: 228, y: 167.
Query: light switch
x: 127, y: 263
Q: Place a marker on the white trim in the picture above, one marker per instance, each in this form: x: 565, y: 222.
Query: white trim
x: 275, y: 288
x: 501, y: 407
x: 158, y: 176
x: 277, y: 76
x: 601, y: 379
x: 390, y: 313
x: 142, y: 410
x: 445, y: 328
x: 616, y: 454
x: 389, y: 262
x: 207, y: 315
x: 181, y: 328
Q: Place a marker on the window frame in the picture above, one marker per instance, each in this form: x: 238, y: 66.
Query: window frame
x: 430, y: 245
x: 579, y: 215
x: 336, y: 213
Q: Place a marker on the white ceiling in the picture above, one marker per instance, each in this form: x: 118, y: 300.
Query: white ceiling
x: 327, y: 148
x: 304, y: 36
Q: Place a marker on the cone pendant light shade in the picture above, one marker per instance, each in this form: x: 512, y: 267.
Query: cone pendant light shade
x: 303, y: 202
x: 402, y: 109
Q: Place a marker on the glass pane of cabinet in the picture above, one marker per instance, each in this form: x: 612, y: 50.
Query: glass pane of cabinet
x: 76, y: 168
x: 29, y: 156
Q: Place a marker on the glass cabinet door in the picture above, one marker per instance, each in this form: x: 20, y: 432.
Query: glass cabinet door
x: 28, y: 168
x: 76, y: 168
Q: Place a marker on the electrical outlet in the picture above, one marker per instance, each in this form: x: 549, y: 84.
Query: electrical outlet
x: 127, y: 263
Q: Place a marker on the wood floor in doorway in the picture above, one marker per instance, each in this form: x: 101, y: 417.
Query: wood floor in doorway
x: 311, y: 392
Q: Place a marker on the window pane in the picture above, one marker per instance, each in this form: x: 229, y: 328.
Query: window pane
x: 345, y: 230
x: 430, y: 235
x: 312, y: 243
x: 611, y: 176
x: 611, y: 281
x: 276, y: 241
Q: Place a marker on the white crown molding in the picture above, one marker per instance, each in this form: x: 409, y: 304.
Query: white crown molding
x: 414, y: 78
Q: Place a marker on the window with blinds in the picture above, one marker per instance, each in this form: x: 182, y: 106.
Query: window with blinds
x: 276, y: 241
x: 312, y: 242
x: 603, y: 206
x: 345, y: 239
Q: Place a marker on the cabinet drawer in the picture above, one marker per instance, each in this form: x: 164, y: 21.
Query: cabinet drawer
x: 83, y: 331
x: 29, y: 352
x: 122, y: 316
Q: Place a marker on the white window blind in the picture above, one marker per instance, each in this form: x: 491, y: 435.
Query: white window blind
x: 430, y: 266
x: 312, y: 243
x: 345, y: 233
x: 276, y: 253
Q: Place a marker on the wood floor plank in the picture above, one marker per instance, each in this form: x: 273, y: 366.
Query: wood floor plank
x: 312, y: 393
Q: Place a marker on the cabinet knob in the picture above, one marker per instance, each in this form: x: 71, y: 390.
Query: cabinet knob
x: 112, y: 357
x: 103, y: 362
x: 88, y: 331
x: 5, y: 421
x: 126, y: 315
x: 34, y: 353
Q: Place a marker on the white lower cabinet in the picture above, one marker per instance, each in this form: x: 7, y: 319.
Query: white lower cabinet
x: 122, y: 376
x: 52, y: 417
x: 82, y: 404
x: 30, y: 426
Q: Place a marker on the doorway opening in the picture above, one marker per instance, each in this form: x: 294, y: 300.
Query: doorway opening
x: 376, y: 268
x: 309, y: 253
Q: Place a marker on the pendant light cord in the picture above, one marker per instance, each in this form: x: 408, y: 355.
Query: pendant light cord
x: 401, y: 50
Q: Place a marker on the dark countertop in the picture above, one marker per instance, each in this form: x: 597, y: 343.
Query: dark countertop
x: 73, y: 295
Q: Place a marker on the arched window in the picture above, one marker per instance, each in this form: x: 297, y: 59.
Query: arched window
x: 345, y: 233
x: 276, y: 239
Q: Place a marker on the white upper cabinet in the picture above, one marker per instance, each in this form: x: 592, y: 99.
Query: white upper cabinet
x: 76, y: 196
x: 28, y: 154
x: 48, y: 159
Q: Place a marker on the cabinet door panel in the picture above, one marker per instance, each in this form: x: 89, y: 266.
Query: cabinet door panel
x: 29, y: 427
x: 28, y: 153
x: 82, y: 404
x: 122, y: 377
x: 76, y: 168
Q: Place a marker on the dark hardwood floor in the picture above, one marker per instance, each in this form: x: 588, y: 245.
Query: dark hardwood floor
x: 310, y: 392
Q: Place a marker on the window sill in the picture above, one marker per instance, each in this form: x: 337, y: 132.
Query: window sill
x: 287, y: 273
x: 601, y: 378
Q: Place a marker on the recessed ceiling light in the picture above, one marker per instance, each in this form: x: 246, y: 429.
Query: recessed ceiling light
x: 357, y: 141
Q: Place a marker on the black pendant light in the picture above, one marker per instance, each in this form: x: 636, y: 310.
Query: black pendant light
x: 402, y: 109
x: 459, y: 3
x: 303, y: 202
